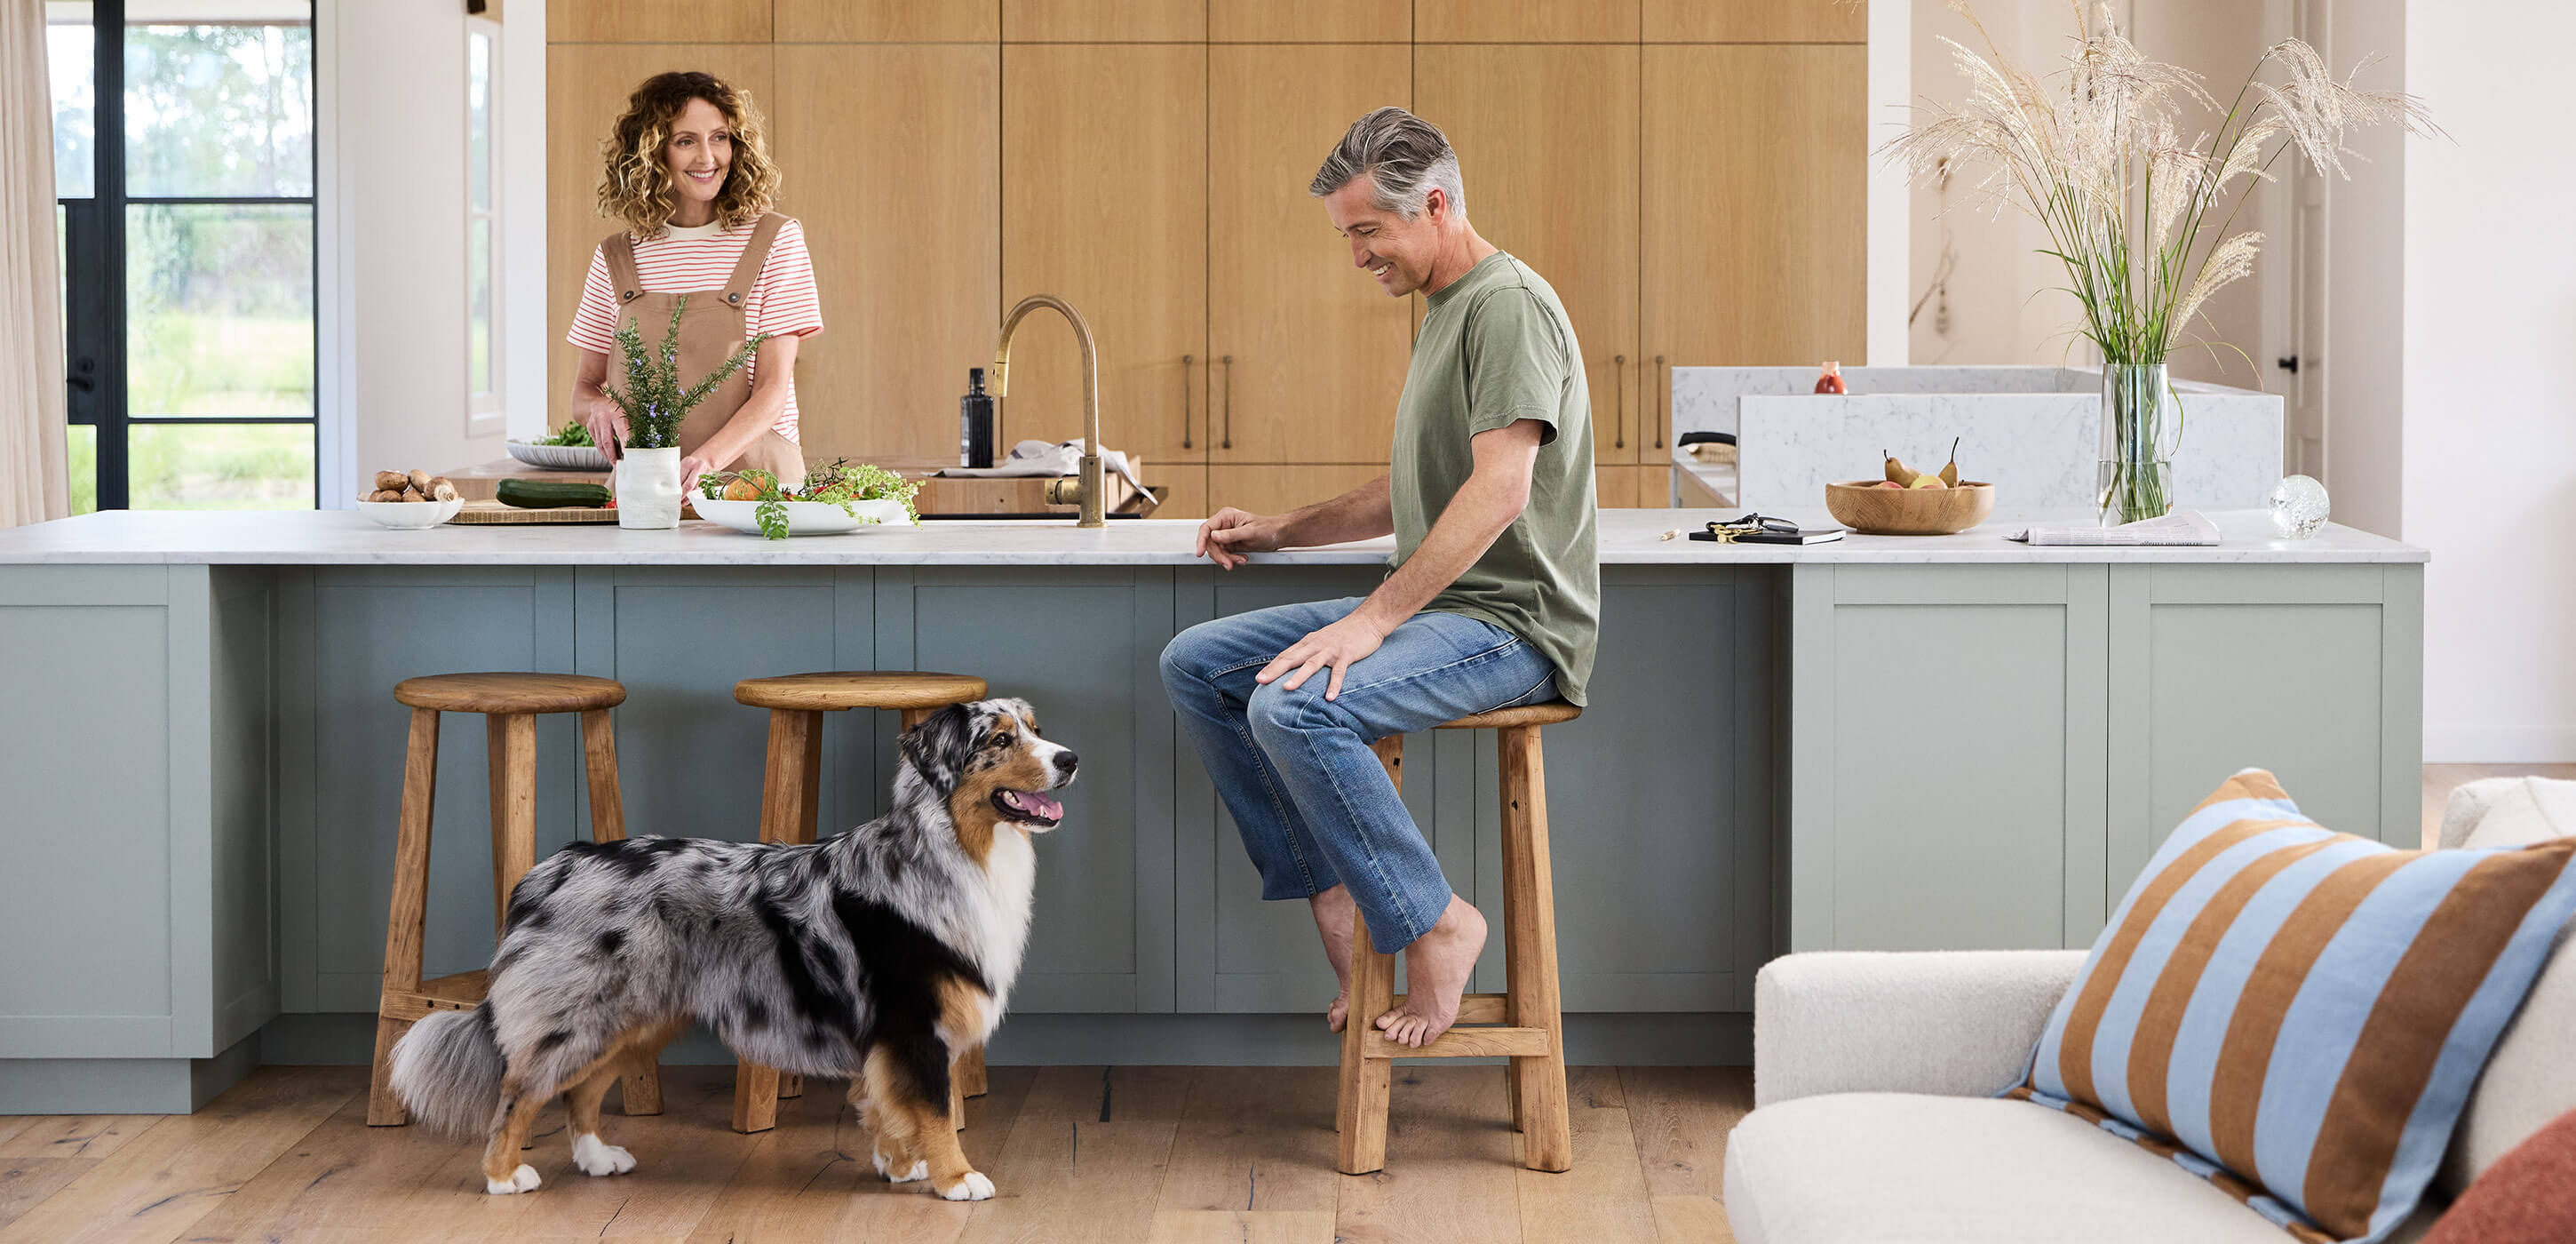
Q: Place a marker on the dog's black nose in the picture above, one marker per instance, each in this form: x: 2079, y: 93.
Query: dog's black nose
x: 1064, y: 762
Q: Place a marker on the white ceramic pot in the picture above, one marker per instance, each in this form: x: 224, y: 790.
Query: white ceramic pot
x: 648, y: 489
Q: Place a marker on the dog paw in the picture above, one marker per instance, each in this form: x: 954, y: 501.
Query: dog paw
x: 523, y: 1179
x: 920, y: 1169
x: 974, y: 1187
x: 596, y: 1157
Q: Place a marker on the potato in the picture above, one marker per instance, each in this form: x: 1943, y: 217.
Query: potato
x: 420, y: 482
x: 390, y: 479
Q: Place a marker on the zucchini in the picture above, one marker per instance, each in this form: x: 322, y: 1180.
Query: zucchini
x: 536, y: 494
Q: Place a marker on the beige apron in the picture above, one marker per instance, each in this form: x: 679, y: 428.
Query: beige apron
x: 711, y: 329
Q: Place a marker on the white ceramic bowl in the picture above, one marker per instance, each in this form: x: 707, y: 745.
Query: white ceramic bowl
x: 410, y: 515
x: 559, y: 457
x: 804, y: 518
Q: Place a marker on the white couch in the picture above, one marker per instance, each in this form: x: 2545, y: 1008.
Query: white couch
x: 1875, y: 1075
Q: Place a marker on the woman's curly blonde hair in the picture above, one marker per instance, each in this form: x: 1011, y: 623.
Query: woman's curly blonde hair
x: 637, y: 188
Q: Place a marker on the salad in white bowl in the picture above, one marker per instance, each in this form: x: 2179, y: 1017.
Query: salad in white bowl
x: 835, y: 498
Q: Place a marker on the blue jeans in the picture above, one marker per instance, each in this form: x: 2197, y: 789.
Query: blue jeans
x: 1314, y: 805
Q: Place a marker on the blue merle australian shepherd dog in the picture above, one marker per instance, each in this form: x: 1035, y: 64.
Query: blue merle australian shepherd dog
x: 876, y: 955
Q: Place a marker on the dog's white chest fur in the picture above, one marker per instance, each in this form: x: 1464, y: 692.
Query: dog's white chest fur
x: 1010, y: 874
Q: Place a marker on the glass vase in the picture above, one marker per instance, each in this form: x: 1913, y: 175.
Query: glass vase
x: 2140, y: 423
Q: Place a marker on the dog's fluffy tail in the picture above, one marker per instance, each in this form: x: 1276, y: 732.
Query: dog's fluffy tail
x: 447, y: 1071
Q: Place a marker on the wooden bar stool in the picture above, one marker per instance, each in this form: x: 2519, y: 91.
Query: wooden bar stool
x: 790, y: 789
x: 510, y: 704
x: 1530, y: 1029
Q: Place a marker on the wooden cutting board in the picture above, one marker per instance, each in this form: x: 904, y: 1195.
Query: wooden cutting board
x: 493, y: 512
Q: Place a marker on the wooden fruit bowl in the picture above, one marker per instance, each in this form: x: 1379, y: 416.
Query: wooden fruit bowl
x: 1909, y: 511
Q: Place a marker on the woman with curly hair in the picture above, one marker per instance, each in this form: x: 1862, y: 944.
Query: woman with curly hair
x: 690, y: 176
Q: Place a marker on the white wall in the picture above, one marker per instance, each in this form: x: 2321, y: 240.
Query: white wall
x: 2489, y: 319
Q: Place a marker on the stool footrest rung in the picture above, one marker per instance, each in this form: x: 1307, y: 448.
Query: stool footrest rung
x: 446, y: 993
x: 1475, y: 1008
x: 1464, y: 1043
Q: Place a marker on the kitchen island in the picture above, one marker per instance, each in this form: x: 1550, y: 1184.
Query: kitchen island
x: 1875, y: 743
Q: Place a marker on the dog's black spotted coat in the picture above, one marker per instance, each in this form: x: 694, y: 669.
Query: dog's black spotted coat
x: 799, y: 957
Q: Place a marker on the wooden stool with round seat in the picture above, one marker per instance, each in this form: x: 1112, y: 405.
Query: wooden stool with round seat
x: 1523, y: 1023
x: 510, y: 704
x: 790, y: 789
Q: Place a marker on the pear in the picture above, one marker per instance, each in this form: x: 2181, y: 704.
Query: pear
x: 1902, y: 474
x: 1950, y: 473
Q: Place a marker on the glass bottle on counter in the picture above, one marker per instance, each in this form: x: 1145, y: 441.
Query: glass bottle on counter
x: 975, y: 422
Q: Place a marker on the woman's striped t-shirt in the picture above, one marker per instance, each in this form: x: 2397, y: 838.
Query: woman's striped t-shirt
x: 688, y: 260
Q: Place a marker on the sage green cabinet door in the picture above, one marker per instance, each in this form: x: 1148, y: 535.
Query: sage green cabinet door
x: 1660, y: 799
x: 1080, y: 645
x: 1947, y: 785
x: 1238, y: 953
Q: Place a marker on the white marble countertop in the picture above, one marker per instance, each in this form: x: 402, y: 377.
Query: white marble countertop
x: 1628, y: 537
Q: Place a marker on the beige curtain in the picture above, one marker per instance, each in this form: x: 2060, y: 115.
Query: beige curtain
x: 33, y: 484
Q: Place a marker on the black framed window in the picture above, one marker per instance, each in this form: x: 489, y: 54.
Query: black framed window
x: 184, y: 162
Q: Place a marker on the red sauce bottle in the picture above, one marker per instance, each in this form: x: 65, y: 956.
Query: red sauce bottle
x: 1832, y: 380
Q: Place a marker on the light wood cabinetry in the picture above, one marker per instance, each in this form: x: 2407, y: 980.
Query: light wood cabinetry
x: 1279, y: 489
x: 1546, y: 136
x: 694, y: 22
x: 1065, y: 21
x: 586, y: 88
x: 1305, y: 353
x: 1756, y: 21
x: 1308, y: 21
x: 1104, y: 203
x: 885, y: 21
x: 1529, y: 21
x: 1754, y: 204
x: 1628, y: 487
x: 904, y: 223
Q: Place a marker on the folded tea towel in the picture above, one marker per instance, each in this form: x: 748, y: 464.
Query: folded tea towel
x: 2179, y: 527
x: 1041, y: 458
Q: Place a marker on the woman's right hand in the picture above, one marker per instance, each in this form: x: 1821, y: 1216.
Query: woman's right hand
x: 1229, y: 534
x: 606, y: 423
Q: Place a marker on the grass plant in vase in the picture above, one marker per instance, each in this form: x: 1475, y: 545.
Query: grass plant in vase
x: 654, y: 403
x: 2139, y: 216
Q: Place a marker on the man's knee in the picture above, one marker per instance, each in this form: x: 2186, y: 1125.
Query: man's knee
x: 1276, y: 712
x: 1187, y: 659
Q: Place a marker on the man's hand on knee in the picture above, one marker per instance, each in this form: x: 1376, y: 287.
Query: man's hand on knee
x: 1337, y: 646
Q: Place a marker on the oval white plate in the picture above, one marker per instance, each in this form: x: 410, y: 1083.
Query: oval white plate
x: 804, y: 518
x: 559, y: 457
x: 410, y: 515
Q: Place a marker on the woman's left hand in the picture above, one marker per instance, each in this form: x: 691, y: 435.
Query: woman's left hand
x: 691, y: 467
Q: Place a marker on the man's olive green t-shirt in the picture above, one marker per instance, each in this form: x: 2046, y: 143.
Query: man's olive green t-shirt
x: 1496, y: 348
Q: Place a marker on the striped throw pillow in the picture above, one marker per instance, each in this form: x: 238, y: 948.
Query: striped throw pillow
x: 2297, y: 1015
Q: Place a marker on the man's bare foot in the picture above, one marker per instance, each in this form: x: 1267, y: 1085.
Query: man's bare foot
x: 1333, y: 911
x: 1436, y: 968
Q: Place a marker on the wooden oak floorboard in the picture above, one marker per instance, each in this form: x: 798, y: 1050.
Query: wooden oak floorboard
x: 1452, y: 1163
x: 26, y: 1181
x: 1603, y: 1199
x: 1086, y: 1156
x: 798, y: 1177
x: 1680, y: 1116
x: 1256, y: 1139
x: 341, y: 1176
x: 1236, y: 1226
x: 72, y: 1135
x: 1691, y: 1220
x: 685, y: 1158
x: 153, y: 1187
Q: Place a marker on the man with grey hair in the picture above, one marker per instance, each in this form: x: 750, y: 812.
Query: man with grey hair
x: 1492, y: 598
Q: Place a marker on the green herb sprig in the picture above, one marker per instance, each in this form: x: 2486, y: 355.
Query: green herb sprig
x: 653, y: 400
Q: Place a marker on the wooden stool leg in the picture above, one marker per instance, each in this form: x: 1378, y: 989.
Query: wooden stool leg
x: 511, y: 743
x: 970, y: 1072
x: 608, y: 824
x: 1547, y: 1139
x: 788, y: 784
x: 410, y: 907
x: 1360, y: 1105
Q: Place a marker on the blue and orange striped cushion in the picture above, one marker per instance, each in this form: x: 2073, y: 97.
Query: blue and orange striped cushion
x: 2297, y: 1015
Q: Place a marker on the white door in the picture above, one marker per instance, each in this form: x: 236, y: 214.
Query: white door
x: 2304, y: 366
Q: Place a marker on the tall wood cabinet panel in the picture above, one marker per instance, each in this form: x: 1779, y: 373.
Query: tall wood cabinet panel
x: 1528, y: 21
x: 1306, y: 354
x: 1308, y: 21
x: 1279, y: 489
x: 1756, y: 21
x: 1547, y: 143
x: 1754, y: 204
x: 693, y: 22
x: 886, y: 21
x: 1068, y: 21
x: 1104, y: 203
x: 586, y: 89
x: 893, y: 146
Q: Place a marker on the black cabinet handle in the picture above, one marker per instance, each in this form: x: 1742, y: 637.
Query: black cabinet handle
x: 1619, y: 403
x: 1186, y: 360
x: 1229, y: 403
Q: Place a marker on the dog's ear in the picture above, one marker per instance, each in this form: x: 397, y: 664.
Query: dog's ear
x: 937, y: 748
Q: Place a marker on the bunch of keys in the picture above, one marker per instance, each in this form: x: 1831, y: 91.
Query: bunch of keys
x: 1730, y: 531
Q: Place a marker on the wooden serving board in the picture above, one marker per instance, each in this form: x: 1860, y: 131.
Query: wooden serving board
x: 493, y: 512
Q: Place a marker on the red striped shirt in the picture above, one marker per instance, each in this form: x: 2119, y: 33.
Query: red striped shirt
x: 782, y: 302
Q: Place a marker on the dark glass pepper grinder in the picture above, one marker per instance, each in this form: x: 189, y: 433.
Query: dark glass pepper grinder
x: 975, y: 422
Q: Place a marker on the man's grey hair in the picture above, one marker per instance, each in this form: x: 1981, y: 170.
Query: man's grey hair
x: 1404, y: 157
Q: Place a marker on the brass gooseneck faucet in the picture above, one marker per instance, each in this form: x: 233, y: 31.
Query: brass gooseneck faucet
x: 1088, y: 489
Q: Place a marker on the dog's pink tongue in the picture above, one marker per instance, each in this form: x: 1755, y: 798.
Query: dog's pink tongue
x: 1042, y: 805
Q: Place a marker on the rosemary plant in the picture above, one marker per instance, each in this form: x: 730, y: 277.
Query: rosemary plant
x: 653, y: 400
